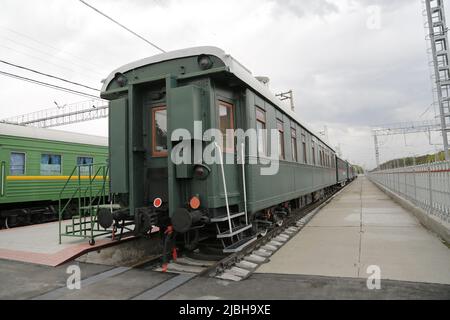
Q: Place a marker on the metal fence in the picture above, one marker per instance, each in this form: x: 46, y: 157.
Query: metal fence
x: 426, y: 185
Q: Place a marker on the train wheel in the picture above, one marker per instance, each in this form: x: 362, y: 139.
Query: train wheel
x: 278, y: 220
x: 6, y: 223
x: 263, y: 232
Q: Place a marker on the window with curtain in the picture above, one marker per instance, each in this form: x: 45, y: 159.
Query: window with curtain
x: 17, y: 163
x: 50, y: 164
x: 85, y: 163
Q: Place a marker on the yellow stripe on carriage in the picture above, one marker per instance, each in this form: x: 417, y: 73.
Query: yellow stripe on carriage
x: 51, y: 178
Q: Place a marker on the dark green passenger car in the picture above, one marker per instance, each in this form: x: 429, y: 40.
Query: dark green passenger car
x: 209, y: 204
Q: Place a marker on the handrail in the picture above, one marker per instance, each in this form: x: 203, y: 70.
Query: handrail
x: 67, y: 181
x: 2, y: 183
x: 60, y: 213
x: 83, y: 192
x: 243, y: 181
x: 102, y: 190
x: 224, y: 185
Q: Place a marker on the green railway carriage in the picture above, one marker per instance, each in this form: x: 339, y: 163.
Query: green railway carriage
x: 342, y: 171
x: 38, y: 167
x: 150, y: 99
x: 351, y: 172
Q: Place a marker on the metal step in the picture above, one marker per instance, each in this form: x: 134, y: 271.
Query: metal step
x: 238, y: 246
x: 102, y: 206
x: 225, y: 218
x: 234, y: 232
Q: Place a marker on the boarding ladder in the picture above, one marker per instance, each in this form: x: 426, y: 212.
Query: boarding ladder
x: 232, y: 227
x: 87, y: 189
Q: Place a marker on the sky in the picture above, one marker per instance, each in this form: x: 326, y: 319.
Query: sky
x: 352, y: 64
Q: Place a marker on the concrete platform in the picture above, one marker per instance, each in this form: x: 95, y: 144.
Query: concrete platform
x: 361, y: 227
x: 39, y: 244
x: 31, y: 281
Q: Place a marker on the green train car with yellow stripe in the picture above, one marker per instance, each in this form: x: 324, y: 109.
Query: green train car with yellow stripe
x: 38, y: 167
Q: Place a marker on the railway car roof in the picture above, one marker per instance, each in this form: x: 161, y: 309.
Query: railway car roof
x: 51, y: 135
x: 232, y: 64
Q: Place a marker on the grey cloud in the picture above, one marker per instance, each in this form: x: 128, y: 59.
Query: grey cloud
x: 387, y: 4
x: 306, y: 7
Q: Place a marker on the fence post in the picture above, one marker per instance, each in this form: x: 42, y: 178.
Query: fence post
x: 415, y: 184
x: 405, y: 175
x: 447, y: 175
x: 429, y: 187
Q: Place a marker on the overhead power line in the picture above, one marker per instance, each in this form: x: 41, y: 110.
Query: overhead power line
x: 48, y: 75
x: 44, y: 44
x: 121, y: 25
x: 49, y: 85
x: 54, y: 56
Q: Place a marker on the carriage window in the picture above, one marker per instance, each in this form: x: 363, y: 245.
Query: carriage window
x: 226, y: 122
x: 313, y: 153
x: 261, y: 135
x: 280, y: 139
x: 294, y: 144
x: 50, y: 164
x: 85, y: 164
x: 17, y: 163
x: 159, y: 132
x: 305, y: 156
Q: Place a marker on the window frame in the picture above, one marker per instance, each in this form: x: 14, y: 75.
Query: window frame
x: 313, y: 150
x: 85, y: 166
x: 24, y: 162
x: 260, y: 116
x: 322, y: 156
x: 229, y: 106
x: 294, y: 144
x: 155, y: 153
x: 305, y: 150
x: 280, y: 129
x: 52, y: 154
x: 85, y: 157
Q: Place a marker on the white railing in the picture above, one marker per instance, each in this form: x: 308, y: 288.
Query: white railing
x: 426, y: 185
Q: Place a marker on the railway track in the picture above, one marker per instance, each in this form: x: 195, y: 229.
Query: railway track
x: 234, y: 267
x: 241, y: 265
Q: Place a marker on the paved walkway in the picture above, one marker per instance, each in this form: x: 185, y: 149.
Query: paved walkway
x: 362, y: 227
x: 39, y: 244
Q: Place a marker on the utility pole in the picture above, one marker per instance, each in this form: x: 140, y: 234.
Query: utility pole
x: 402, y: 128
x: 377, y: 150
x: 287, y: 96
x: 438, y: 38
